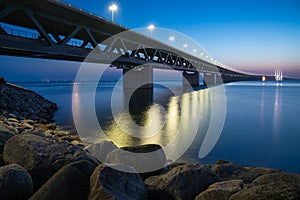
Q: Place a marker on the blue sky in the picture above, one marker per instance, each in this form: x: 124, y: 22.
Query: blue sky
x: 255, y: 35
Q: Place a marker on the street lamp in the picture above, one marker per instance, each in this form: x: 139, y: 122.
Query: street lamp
x: 113, y: 8
x: 151, y: 27
x: 171, y: 39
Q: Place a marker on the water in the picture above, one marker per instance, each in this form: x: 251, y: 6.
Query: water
x: 261, y: 126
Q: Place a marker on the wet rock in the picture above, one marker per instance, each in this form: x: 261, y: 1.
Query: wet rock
x: 182, y: 182
x: 15, y: 182
x: 221, y: 190
x: 109, y: 183
x: 143, y: 158
x: 70, y: 182
x: 41, y: 155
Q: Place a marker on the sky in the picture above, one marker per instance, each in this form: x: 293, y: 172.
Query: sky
x: 250, y: 35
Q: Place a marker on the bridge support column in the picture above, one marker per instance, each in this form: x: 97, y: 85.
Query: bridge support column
x: 136, y: 77
x: 219, y: 78
x: 190, y: 78
x: 210, y: 79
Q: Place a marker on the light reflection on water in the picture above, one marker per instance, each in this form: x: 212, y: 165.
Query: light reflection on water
x: 179, y: 113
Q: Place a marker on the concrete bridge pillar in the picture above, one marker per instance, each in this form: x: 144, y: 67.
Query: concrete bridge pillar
x: 190, y: 78
x: 140, y: 77
x: 210, y: 78
x: 219, y: 78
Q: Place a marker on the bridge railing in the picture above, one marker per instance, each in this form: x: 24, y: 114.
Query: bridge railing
x: 77, y: 8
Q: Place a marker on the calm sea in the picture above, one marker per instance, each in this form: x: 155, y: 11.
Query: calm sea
x: 261, y: 129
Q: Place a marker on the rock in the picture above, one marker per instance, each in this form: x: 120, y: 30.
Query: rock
x: 5, y: 134
x: 28, y: 121
x: 219, y: 162
x: 45, y: 127
x: 171, y: 166
x: 15, y: 182
x: 12, y: 120
x: 221, y: 190
x: 102, y: 149
x: 23, y: 103
x: 143, y: 158
x: 274, y: 191
x: 277, y: 177
x: 41, y: 155
x: 261, y: 171
x: 232, y: 171
x: 213, y: 194
x: 70, y: 182
x: 231, y: 186
x: 7, y: 129
x: 272, y: 186
x: 109, y: 183
x: 182, y: 182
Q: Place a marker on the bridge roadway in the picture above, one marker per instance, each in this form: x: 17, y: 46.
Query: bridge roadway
x: 53, y: 29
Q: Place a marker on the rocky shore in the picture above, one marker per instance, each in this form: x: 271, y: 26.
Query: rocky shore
x: 40, y: 161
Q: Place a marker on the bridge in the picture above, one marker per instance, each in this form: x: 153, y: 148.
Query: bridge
x: 53, y: 29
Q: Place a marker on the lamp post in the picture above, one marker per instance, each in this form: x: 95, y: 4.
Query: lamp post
x: 113, y: 8
x: 151, y: 28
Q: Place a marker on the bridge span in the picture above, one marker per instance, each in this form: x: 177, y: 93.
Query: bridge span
x: 52, y: 29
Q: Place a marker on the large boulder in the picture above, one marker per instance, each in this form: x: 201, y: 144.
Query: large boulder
x: 221, y: 190
x: 272, y: 186
x: 182, y: 182
x: 143, y: 158
x: 41, y: 155
x: 232, y: 171
x: 113, y: 183
x: 277, y: 177
x: 70, y: 182
x: 15, y: 182
x: 274, y: 191
x: 6, y: 132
